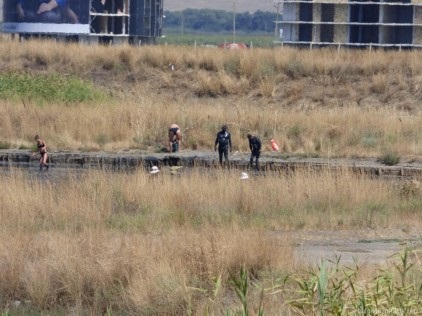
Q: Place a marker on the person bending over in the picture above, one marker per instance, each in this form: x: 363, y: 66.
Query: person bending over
x: 255, y: 147
x: 175, y: 138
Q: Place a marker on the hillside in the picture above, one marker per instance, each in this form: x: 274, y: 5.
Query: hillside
x: 322, y: 103
x: 241, y: 5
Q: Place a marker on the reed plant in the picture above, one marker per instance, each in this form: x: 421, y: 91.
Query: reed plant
x: 339, y: 290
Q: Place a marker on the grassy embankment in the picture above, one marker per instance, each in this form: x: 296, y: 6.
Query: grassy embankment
x: 320, y: 103
x: 128, y: 242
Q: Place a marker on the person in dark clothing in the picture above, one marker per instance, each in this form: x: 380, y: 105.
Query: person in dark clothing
x: 224, y: 142
x: 255, y: 147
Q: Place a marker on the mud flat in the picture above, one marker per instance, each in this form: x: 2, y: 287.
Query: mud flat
x: 361, y: 246
x: 269, y: 161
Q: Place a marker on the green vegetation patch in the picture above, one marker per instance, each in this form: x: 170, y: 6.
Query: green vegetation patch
x: 4, y: 145
x: 337, y: 290
x: 254, y: 40
x: 390, y: 158
x: 47, y: 88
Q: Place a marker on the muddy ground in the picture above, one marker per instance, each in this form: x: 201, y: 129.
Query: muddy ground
x: 270, y: 161
x: 376, y: 246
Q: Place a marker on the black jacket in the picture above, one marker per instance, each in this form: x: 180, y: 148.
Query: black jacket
x: 255, y: 144
x: 223, y: 139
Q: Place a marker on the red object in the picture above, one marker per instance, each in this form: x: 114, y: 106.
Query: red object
x: 274, y: 145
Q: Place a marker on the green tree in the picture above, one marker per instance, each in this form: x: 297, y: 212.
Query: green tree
x: 206, y: 20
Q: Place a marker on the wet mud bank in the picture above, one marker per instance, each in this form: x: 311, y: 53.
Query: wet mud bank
x: 269, y: 162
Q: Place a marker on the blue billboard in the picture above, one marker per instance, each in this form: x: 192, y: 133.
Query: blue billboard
x: 46, y: 16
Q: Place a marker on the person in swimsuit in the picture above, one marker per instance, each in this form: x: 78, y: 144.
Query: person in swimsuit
x: 175, y: 138
x: 42, y: 150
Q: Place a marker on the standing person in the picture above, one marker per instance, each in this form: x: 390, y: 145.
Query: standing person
x: 175, y: 138
x: 42, y: 150
x: 255, y: 147
x: 224, y: 141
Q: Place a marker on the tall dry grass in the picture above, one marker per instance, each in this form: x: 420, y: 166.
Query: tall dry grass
x: 143, y: 125
x: 321, y: 102
x: 305, y: 199
x: 324, y: 65
x: 99, y: 242
x: 168, y: 245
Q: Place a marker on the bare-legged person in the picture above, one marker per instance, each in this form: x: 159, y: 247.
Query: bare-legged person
x: 175, y: 138
x: 42, y: 150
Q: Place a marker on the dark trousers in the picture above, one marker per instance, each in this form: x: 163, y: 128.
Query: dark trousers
x: 255, y: 155
x: 223, y: 151
x: 175, y: 147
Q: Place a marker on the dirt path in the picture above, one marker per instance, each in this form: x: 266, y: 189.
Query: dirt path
x: 366, y: 246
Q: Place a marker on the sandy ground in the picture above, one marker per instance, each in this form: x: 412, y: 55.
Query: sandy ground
x: 364, y: 246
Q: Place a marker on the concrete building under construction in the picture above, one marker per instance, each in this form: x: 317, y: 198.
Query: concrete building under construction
x: 385, y: 23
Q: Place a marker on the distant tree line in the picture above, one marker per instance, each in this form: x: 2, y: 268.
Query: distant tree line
x: 206, y: 20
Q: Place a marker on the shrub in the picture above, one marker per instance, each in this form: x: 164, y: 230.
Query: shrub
x: 390, y: 159
x: 294, y: 132
x: 4, y: 145
x: 369, y: 140
x: 410, y: 189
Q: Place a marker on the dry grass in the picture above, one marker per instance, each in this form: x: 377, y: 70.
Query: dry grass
x: 218, y: 199
x: 169, y: 245
x: 325, y: 103
x: 326, y: 132
x: 98, y: 269
x: 96, y: 243
x: 102, y: 242
x: 143, y: 125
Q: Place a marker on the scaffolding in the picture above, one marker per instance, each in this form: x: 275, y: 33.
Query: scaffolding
x: 349, y: 23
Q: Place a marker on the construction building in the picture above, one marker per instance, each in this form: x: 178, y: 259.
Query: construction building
x: 111, y: 21
x: 385, y: 23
